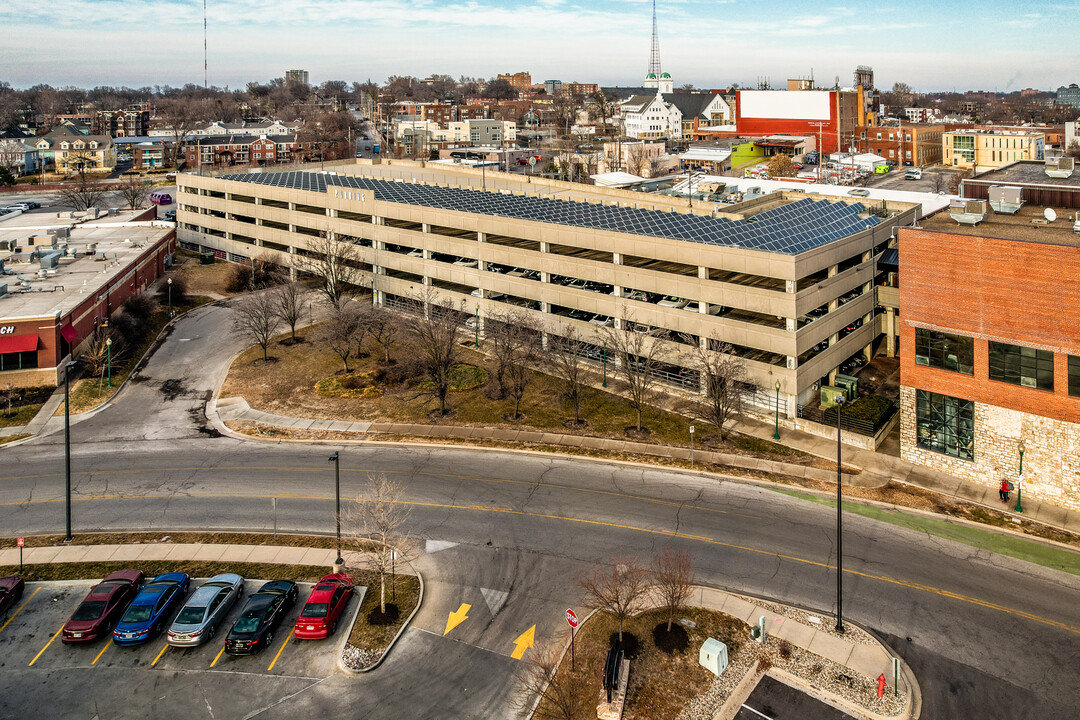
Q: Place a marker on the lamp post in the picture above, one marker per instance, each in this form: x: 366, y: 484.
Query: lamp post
x: 336, y: 459
x: 603, y: 359
x: 1020, y: 480
x: 476, y: 327
x: 67, y: 453
x: 108, y: 351
x: 373, y: 291
x: 839, y: 529
x: 776, y: 435
x: 169, y: 281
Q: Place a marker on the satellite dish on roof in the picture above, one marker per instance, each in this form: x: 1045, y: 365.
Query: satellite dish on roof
x: 1049, y: 214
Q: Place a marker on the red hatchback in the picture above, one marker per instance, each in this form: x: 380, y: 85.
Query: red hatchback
x: 320, y: 614
x: 102, y: 606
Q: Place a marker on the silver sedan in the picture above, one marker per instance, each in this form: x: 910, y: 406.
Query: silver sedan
x: 205, y: 610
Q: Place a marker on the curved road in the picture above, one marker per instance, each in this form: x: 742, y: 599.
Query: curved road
x: 509, y: 533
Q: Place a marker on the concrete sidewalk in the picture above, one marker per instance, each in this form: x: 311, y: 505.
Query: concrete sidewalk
x: 135, y: 553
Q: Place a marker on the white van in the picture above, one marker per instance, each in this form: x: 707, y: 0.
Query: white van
x: 913, y: 174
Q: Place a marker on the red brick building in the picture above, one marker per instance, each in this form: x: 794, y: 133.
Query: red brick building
x: 233, y: 150
x: 912, y: 143
x: 990, y: 351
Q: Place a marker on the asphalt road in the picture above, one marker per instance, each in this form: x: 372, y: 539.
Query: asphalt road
x: 508, y: 534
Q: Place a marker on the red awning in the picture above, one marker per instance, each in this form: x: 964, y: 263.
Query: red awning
x: 69, y: 333
x: 17, y: 343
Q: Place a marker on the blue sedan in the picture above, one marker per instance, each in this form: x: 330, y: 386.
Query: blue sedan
x: 149, y: 612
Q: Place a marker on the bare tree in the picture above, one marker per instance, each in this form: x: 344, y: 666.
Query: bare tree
x: 558, y: 693
x: 343, y: 331
x: 134, y: 193
x: 781, y: 165
x: 336, y: 264
x: 636, y: 162
x: 673, y: 577
x: 103, y: 349
x: 84, y: 193
x: 638, y: 352
x: 1073, y: 150
x: 565, y: 362
x: 257, y: 318
x: 937, y: 182
x: 385, y: 328
x: 376, y: 524
x: 289, y: 299
x: 722, y: 375
x: 619, y: 589
x: 436, y: 332
x: 182, y: 115
x: 516, y: 344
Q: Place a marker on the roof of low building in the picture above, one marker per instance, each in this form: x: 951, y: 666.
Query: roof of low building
x: 1027, y: 172
x: 1019, y: 227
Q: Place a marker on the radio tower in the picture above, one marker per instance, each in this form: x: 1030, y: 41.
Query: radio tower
x: 654, y: 53
x: 205, y: 63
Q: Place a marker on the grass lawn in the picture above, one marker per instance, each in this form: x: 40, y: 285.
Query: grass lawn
x: 152, y: 568
x: 25, y: 403
x: 308, y: 541
x: 288, y: 387
x: 661, y: 685
x: 203, y: 279
x: 376, y: 637
x: 19, y: 415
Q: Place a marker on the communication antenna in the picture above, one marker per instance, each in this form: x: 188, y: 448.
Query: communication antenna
x: 1050, y: 214
x: 204, y: 57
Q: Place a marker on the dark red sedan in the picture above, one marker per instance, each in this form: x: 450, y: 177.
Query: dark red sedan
x: 102, y: 606
x: 320, y: 614
x: 11, y: 589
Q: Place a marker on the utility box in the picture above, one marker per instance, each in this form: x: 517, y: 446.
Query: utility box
x: 829, y: 395
x: 849, y: 384
x: 713, y: 656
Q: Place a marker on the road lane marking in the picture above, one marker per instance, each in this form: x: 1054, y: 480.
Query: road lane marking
x: 107, y: 644
x: 218, y: 656
x: 523, y: 642
x: 55, y: 635
x: 457, y: 617
x: 280, y: 650
x: 25, y: 603
x: 163, y: 649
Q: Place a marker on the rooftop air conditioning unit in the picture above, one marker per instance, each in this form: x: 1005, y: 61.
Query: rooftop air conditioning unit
x: 968, y: 212
x: 1005, y: 199
x: 1059, y: 167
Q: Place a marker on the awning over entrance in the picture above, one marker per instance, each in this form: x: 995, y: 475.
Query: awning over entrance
x: 17, y: 343
x: 69, y: 333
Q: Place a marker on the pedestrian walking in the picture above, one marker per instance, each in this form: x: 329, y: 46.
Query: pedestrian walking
x: 1004, y: 491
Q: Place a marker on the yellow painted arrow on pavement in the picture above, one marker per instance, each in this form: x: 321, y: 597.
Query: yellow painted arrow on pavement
x: 524, y: 642
x: 457, y: 617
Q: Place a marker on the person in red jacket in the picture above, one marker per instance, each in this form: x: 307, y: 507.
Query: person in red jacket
x: 1004, y: 491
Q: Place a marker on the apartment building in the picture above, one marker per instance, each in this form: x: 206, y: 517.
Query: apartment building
x: 96, y: 153
x: 907, y: 144
x: 132, y: 122
x: 983, y: 150
x: 990, y: 351
x: 520, y: 81
x: 786, y: 280
x: 233, y: 150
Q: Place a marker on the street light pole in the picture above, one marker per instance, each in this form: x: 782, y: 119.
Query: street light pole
x: 1020, y: 480
x: 108, y: 351
x: 169, y: 281
x: 476, y: 327
x: 776, y: 435
x: 839, y: 529
x: 67, y: 453
x: 603, y: 359
x: 336, y: 459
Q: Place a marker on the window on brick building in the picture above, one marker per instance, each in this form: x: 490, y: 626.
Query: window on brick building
x: 1022, y: 365
x: 1074, y: 376
x: 945, y: 351
x: 945, y: 424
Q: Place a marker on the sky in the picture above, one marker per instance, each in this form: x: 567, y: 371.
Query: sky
x: 931, y: 45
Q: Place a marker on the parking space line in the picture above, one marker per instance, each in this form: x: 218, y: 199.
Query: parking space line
x: 287, y: 639
x: 218, y: 656
x: 55, y: 635
x: 163, y: 649
x: 107, y: 644
x: 25, y: 603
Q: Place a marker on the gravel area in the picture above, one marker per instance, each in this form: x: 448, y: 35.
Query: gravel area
x: 825, y: 623
x: 815, y: 670
x: 357, y: 659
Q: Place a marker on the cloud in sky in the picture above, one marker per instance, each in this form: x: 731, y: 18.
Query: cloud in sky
x: 930, y: 45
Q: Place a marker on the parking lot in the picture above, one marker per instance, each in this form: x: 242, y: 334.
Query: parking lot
x: 29, y: 638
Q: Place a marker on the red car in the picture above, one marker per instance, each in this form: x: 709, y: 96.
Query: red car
x: 11, y: 589
x: 319, y: 617
x: 102, y: 607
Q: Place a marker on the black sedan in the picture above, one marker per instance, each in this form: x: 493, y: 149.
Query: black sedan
x: 262, y: 613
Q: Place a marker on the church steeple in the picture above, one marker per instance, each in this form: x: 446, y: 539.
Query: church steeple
x: 657, y: 78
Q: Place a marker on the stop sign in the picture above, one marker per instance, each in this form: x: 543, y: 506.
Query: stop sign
x: 20, y: 542
x: 571, y: 618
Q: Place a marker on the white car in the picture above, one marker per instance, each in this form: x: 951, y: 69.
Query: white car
x: 673, y: 302
x: 695, y: 306
x: 602, y: 320
x: 417, y: 254
x: 466, y: 262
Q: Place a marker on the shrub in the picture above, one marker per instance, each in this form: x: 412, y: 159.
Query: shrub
x: 179, y: 291
x: 140, y: 306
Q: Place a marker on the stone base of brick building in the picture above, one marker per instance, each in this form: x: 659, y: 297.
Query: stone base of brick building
x: 1051, y: 452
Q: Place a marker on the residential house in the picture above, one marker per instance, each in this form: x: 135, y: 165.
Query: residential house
x: 672, y: 115
x: 95, y: 153
x: 20, y: 156
x: 233, y: 150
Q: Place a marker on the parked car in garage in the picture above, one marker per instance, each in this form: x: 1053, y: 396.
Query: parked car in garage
x: 322, y: 610
x: 260, y: 617
x: 11, y: 589
x: 149, y: 612
x: 205, y: 610
x: 102, y: 607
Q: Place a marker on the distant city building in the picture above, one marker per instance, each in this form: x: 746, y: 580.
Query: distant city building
x: 983, y: 150
x: 833, y: 115
x: 582, y: 89
x: 520, y: 81
x: 298, y: 76
x: 1069, y: 95
x: 122, y: 123
x: 906, y: 144
x: 920, y: 114
x: 552, y: 86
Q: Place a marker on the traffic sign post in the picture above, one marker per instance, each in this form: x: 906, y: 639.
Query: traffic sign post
x: 691, y: 446
x: 572, y: 621
x: 20, y: 542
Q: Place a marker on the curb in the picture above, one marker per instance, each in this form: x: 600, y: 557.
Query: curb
x: 340, y: 651
x: 408, y: 621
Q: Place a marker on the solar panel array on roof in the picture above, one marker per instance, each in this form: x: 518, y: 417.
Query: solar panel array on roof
x: 792, y: 228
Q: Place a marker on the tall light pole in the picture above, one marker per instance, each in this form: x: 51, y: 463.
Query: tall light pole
x: 603, y: 360
x: 67, y: 453
x: 169, y: 282
x: 108, y: 351
x: 476, y: 327
x: 839, y: 529
x: 776, y: 435
x: 1020, y: 480
x: 336, y: 459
